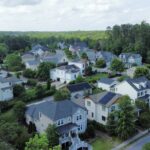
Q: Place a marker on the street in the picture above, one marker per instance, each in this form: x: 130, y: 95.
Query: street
x: 139, y: 144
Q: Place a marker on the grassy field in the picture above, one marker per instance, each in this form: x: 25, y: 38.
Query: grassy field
x: 105, y: 144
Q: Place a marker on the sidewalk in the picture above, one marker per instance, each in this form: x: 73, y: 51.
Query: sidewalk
x: 127, y: 142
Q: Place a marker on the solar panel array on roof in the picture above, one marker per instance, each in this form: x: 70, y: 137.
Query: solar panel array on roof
x: 104, y: 100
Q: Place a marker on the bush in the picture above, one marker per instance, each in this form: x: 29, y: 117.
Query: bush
x: 32, y: 82
x: 28, y: 73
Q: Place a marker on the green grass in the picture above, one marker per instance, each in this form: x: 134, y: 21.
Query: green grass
x: 96, y: 77
x: 105, y: 144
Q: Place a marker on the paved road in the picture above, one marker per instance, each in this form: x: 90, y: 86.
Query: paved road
x: 139, y: 144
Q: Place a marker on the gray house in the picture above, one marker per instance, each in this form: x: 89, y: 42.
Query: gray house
x: 69, y: 118
x: 130, y: 59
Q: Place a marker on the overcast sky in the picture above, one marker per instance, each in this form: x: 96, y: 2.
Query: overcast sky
x: 67, y: 15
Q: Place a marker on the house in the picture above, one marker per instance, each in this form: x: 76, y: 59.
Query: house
x: 82, y: 64
x: 107, y: 84
x: 39, y: 50
x: 107, y: 56
x: 130, y: 59
x: 138, y: 88
x: 15, y: 81
x: 65, y: 74
x: 100, y: 105
x: 33, y: 64
x: 56, y: 58
x: 79, y: 89
x: 78, y: 46
x: 28, y: 57
x: 6, y: 90
x: 69, y: 119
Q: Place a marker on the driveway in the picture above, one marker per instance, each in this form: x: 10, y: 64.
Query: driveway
x: 139, y: 144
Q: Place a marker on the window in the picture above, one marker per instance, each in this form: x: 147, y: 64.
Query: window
x: 92, y: 115
x: 145, y: 92
x: 103, y: 108
x: 62, y: 122
x: 77, y: 117
x: 103, y: 118
x: 88, y: 103
x: 58, y: 123
x: 138, y: 94
x: 112, y: 108
x: 80, y: 117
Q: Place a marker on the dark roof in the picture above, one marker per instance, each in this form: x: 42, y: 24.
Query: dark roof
x: 105, y: 98
x: 70, y: 68
x: 33, y: 62
x: 145, y: 98
x: 67, y: 127
x: 79, y: 87
x: 106, y: 80
x: 38, y: 46
x: 127, y: 55
x: 54, y: 110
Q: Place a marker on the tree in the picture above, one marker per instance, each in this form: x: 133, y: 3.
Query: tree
x: 3, y: 50
x: 100, y: 63
x: 146, y: 146
x: 84, y: 56
x: 88, y: 70
x: 13, y: 62
x: 125, y: 118
x: 5, y: 146
x: 28, y: 73
x: 48, y: 84
x: 18, y: 90
x: 111, y: 124
x: 44, y: 69
x: 52, y: 136
x: 79, y: 79
x: 19, y: 110
x: 61, y: 94
x: 117, y: 65
x: 40, y: 91
x: 144, y: 119
x: 38, y: 142
x: 141, y: 71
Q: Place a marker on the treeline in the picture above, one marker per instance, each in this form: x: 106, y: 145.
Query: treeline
x: 129, y: 38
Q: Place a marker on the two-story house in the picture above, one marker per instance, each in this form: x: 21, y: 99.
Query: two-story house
x: 79, y: 89
x: 107, y: 84
x: 138, y: 88
x: 69, y: 119
x: 130, y: 59
x: 6, y: 90
x: 65, y: 74
x: 100, y: 105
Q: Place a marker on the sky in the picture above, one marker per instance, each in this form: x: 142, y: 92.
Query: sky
x: 70, y: 15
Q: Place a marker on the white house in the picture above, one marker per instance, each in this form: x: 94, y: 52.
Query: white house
x: 100, y: 105
x: 6, y: 90
x: 33, y: 65
x: 138, y: 88
x: 81, y: 64
x: 65, y: 74
x: 28, y: 57
x: 69, y: 118
x: 79, y: 89
x: 107, y: 84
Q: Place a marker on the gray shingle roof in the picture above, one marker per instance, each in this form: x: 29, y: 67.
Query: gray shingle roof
x: 70, y: 68
x: 106, y: 81
x: 33, y: 62
x: 53, y: 109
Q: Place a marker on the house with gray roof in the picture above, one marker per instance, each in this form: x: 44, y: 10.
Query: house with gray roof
x: 28, y: 56
x: 65, y: 73
x: 69, y: 118
x: 100, y: 105
x: 107, y: 84
x: 137, y: 88
x: 79, y: 89
x: 6, y: 90
x: 131, y: 59
x: 33, y: 64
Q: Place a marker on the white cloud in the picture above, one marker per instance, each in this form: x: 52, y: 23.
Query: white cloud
x: 70, y: 14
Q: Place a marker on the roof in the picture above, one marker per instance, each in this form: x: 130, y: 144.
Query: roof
x: 33, y: 62
x: 79, y: 87
x: 13, y: 79
x: 79, y: 45
x: 38, y: 46
x: 70, y: 68
x: 67, y: 127
x: 105, y: 98
x: 3, y: 80
x: 54, y: 110
x: 106, y: 81
x: 127, y: 55
x: 138, y: 81
x: 107, y: 56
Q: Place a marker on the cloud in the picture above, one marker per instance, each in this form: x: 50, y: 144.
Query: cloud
x: 49, y: 15
x: 12, y: 3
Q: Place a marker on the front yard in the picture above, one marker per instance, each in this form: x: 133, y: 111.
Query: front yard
x: 105, y: 143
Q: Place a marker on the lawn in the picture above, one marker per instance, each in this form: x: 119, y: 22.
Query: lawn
x: 105, y: 144
x: 96, y: 77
